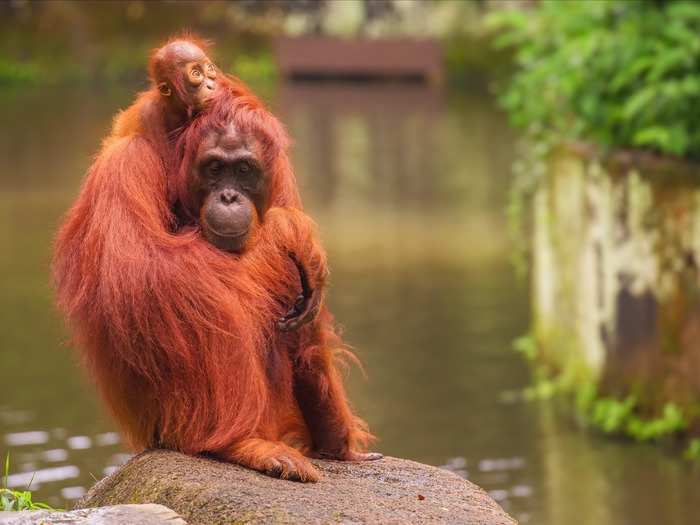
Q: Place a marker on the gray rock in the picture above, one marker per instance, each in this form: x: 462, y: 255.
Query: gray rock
x: 388, y: 491
x: 149, y: 514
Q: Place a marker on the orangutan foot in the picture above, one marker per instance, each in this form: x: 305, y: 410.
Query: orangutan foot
x: 275, y: 459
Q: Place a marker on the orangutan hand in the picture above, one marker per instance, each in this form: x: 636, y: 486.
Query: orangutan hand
x: 307, y: 304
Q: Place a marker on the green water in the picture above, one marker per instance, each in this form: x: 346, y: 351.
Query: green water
x: 409, y: 188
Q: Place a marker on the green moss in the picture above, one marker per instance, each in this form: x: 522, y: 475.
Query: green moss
x: 608, y: 414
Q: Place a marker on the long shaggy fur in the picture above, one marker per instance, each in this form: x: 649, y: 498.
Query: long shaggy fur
x: 180, y: 337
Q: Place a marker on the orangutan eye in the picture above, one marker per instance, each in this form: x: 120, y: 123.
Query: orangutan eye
x: 243, y: 168
x: 215, y: 167
x: 195, y: 77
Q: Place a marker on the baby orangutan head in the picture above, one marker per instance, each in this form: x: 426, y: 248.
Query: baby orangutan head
x: 184, y: 75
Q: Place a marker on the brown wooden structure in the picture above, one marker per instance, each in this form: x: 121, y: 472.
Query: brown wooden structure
x: 320, y: 57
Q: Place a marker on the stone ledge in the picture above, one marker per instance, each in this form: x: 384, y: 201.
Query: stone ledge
x: 148, y: 514
x: 206, y: 492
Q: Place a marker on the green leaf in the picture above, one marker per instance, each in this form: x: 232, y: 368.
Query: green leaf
x: 7, y: 469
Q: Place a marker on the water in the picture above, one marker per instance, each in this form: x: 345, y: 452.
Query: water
x: 409, y: 187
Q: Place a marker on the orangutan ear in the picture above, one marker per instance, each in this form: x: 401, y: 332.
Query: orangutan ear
x: 164, y: 89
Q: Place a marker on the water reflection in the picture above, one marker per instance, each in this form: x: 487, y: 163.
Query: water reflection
x: 37, y: 437
x: 409, y: 188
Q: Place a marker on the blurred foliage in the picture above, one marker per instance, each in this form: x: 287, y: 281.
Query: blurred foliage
x: 608, y: 414
x: 692, y: 452
x: 104, y: 42
x: 526, y: 346
x: 622, y: 73
x: 469, y: 57
x: 69, y: 41
x: 13, y: 72
x: 614, y: 416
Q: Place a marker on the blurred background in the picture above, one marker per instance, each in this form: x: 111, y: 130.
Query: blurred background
x: 451, y: 234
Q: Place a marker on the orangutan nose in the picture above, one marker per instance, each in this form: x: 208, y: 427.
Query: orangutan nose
x: 229, y: 196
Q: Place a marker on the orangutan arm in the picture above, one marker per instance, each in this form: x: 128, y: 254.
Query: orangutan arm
x: 287, y: 239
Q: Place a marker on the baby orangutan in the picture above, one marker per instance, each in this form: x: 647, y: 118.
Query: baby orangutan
x: 183, y: 81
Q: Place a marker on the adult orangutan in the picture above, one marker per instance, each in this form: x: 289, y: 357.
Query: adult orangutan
x: 194, y: 292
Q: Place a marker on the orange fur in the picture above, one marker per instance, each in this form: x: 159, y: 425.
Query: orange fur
x: 180, y: 337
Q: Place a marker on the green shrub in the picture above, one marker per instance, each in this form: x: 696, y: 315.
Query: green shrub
x: 619, y: 73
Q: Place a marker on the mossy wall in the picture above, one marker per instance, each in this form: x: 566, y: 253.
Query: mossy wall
x: 616, y: 248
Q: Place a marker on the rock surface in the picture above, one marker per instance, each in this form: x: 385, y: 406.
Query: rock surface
x: 116, y: 515
x: 205, y: 491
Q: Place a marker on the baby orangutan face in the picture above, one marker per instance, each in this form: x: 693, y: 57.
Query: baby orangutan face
x: 185, y: 76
